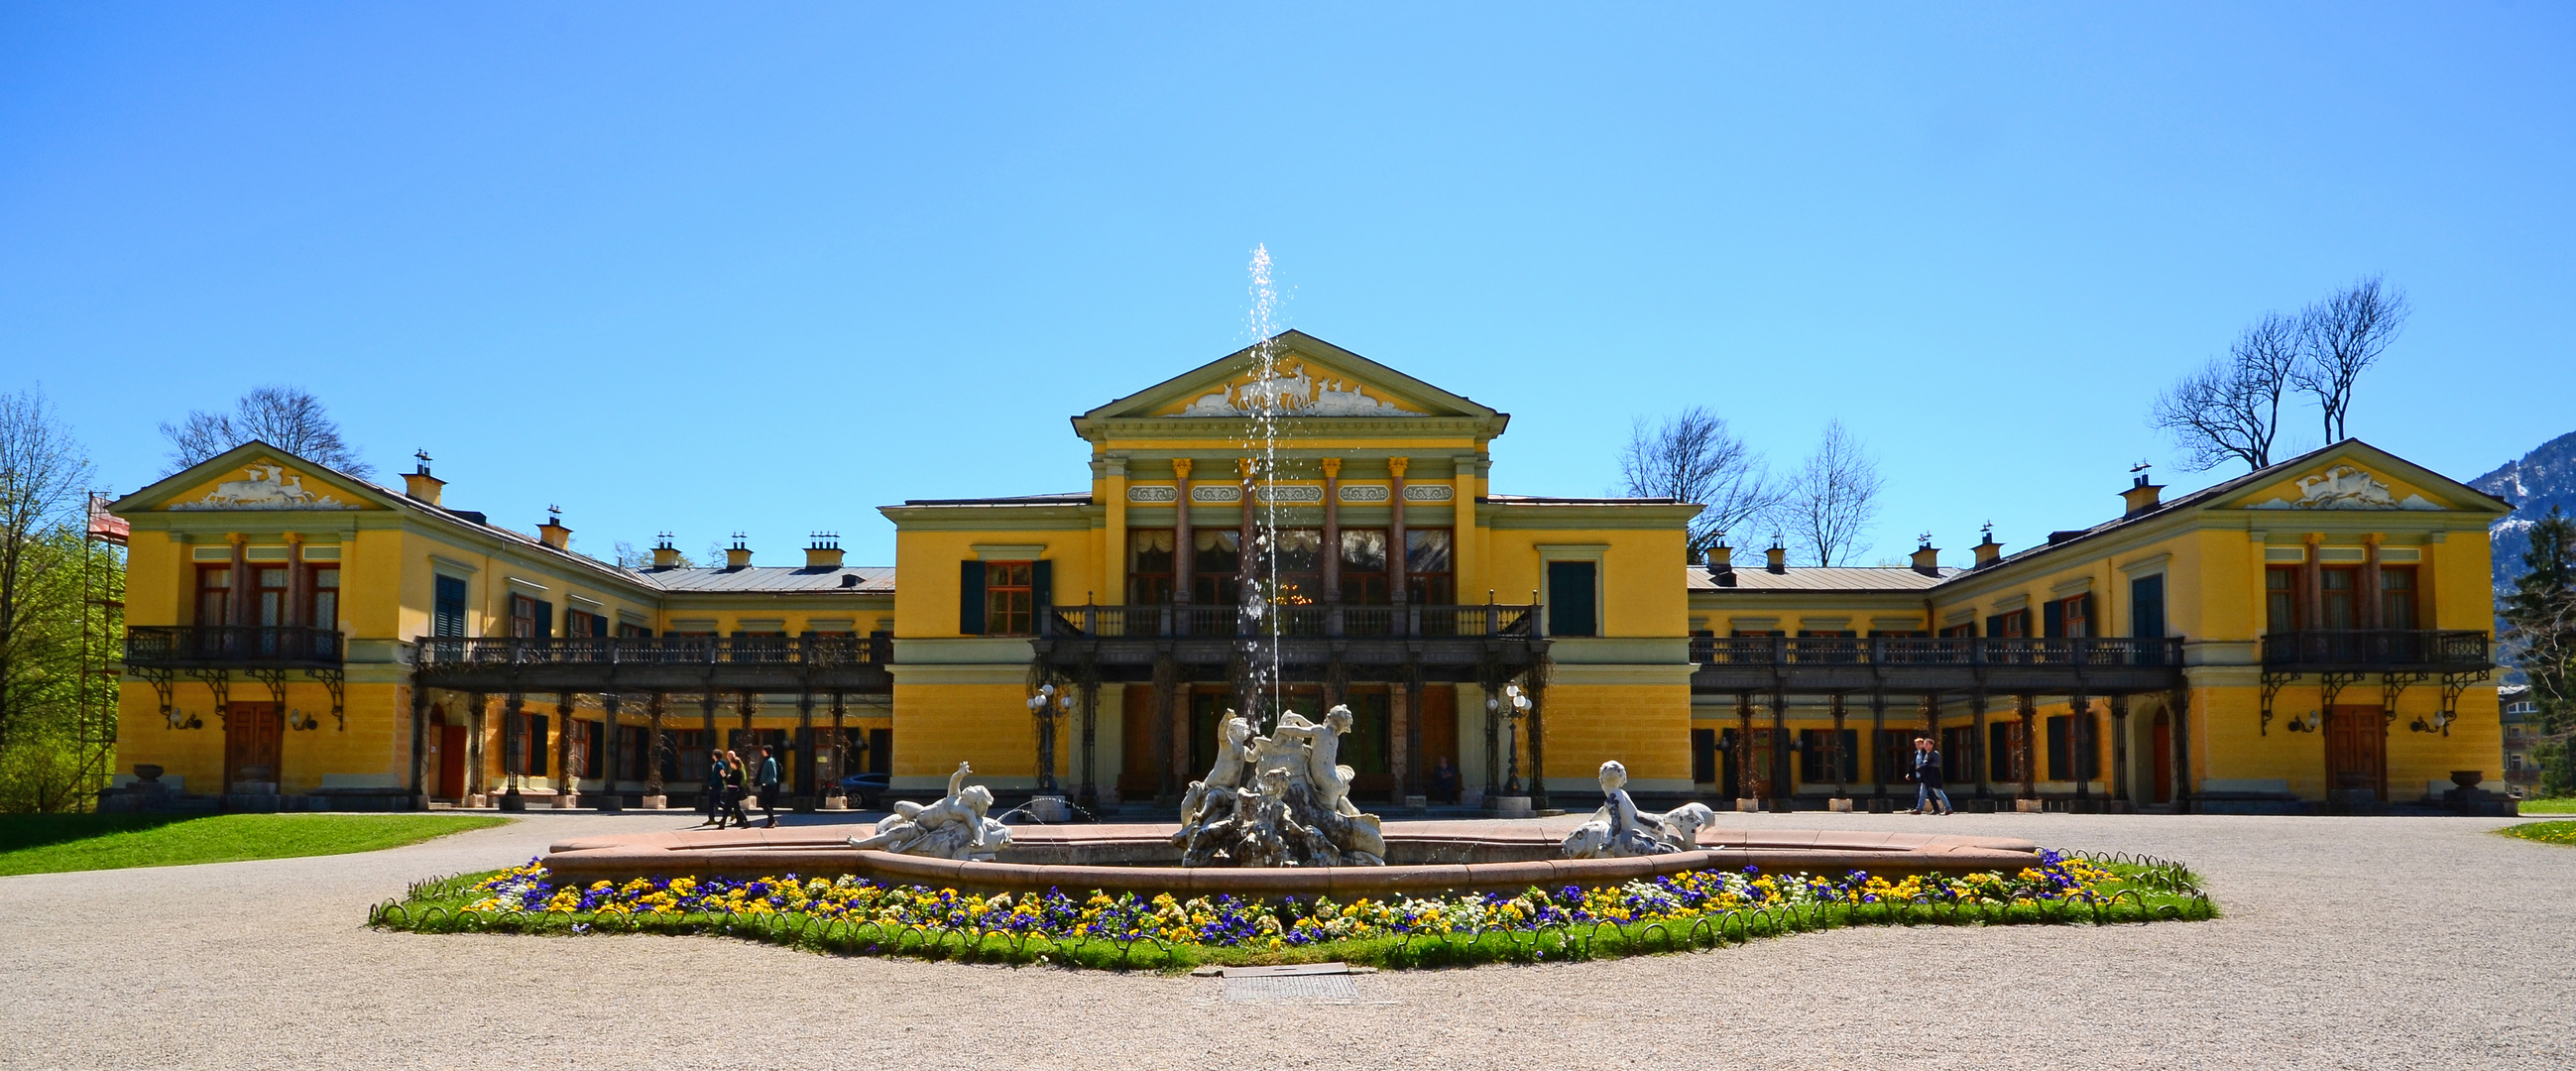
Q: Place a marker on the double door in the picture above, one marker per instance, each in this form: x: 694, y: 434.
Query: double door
x: 2357, y: 751
x: 253, y: 735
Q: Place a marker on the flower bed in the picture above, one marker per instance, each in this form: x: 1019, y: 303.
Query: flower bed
x: 2544, y: 832
x: 1699, y: 909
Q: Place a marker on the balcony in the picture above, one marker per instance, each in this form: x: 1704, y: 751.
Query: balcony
x: 245, y: 647
x: 667, y: 663
x: 2004, y: 665
x: 1444, y: 642
x: 2376, y: 651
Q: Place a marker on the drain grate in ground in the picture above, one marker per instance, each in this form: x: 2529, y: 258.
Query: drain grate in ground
x: 1291, y: 987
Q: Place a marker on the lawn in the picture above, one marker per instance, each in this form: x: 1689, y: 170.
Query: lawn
x: 2560, y: 805
x: 51, y: 843
x: 2544, y: 832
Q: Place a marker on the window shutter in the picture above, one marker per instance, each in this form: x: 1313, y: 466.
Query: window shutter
x: 2084, y: 609
x: 545, y: 619
x: 970, y: 598
x: 2052, y: 620
x: 1570, y: 597
x: 1995, y: 625
x: 1041, y: 592
x: 2147, y: 607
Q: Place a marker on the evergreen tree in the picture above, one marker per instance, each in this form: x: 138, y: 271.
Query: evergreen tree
x: 2540, y: 620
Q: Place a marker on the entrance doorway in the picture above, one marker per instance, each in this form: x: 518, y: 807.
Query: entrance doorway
x: 451, y: 762
x: 2160, y: 761
x: 2356, y: 753
x: 252, y: 735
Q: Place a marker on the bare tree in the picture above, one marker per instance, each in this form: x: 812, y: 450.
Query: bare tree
x: 2231, y: 410
x: 1692, y: 457
x: 2341, y: 336
x: 43, y: 484
x: 1834, y: 497
x: 288, y: 418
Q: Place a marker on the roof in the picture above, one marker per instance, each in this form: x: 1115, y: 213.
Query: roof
x: 1830, y: 578
x: 1070, y: 498
x: 1546, y: 500
x: 774, y: 579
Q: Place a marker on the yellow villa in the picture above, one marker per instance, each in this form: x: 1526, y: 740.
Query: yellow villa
x: 1293, y: 527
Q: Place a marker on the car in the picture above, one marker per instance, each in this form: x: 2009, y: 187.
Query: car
x: 865, y: 790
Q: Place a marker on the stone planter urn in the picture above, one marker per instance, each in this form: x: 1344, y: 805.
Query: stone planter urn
x: 2466, y: 779
x: 148, y: 773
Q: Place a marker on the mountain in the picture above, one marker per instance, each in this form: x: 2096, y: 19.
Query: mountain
x: 2543, y: 478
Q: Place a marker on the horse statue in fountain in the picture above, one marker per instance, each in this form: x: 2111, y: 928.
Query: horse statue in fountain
x: 1619, y: 830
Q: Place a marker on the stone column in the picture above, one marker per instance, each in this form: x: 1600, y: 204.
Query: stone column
x: 1089, y: 797
x: 654, y: 747
x: 1744, y: 773
x: 840, y: 751
x: 294, y: 608
x: 1834, y: 751
x: 2079, y: 744
x: 805, y: 797
x: 477, y: 721
x: 419, y: 746
x: 513, y: 732
x: 1877, y: 749
x: 1408, y: 772
x: 1782, y: 786
x: 1113, y: 565
x: 1397, y: 583
x: 2028, y: 759
x: 610, y: 750
x: 567, y: 786
x: 1333, y: 544
x: 243, y: 601
x: 2120, y: 747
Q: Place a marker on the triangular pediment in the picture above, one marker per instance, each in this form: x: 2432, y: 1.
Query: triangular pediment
x: 255, y: 476
x: 2353, y: 475
x: 1306, y: 378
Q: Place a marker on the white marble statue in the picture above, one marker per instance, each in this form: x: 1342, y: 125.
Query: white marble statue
x: 1295, y: 812
x: 953, y: 828
x: 1619, y: 829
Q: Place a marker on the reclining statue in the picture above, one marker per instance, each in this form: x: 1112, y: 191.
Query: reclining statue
x: 1619, y: 829
x: 953, y: 828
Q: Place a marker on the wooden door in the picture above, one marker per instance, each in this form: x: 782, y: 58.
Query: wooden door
x: 252, y: 733
x: 2356, y: 750
x: 1140, y: 771
x: 2160, y: 746
x: 451, y: 762
x: 1755, y: 780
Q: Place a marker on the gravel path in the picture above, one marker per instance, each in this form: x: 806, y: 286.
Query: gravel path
x: 2349, y: 942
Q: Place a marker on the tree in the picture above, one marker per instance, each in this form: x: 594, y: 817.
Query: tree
x: 288, y: 418
x: 1833, y: 498
x: 43, y: 485
x: 2339, y: 337
x: 2231, y: 410
x: 2540, y: 620
x: 1692, y: 457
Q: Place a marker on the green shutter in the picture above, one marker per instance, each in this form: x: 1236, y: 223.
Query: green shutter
x: 970, y: 598
x: 545, y: 619
x: 1995, y: 625
x: 2052, y: 620
x: 1041, y: 592
x: 1570, y: 598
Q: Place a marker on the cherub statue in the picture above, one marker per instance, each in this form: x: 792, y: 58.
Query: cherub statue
x: 1325, y: 776
x: 1619, y: 829
x: 1217, y: 792
x: 953, y: 828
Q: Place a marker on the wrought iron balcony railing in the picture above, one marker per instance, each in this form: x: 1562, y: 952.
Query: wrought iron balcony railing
x: 232, y: 647
x: 1887, y: 651
x: 1510, y: 621
x: 2376, y: 650
x: 832, y: 652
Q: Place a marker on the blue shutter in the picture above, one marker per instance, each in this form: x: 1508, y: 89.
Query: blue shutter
x: 970, y: 598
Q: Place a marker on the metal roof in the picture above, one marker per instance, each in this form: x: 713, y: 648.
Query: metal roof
x: 774, y: 579
x: 1074, y: 498
x: 1834, y: 578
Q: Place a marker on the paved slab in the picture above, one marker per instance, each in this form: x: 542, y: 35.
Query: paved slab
x: 2350, y: 943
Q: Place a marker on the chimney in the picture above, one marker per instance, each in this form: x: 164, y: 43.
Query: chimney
x: 2142, y: 497
x: 1927, y: 558
x: 1988, y: 551
x: 666, y: 556
x: 738, y: 555
x: 553, y: 533
x: 419, y: 484
x: 1778, y: 555
x: 1721, y: 562
x: 825, y: 553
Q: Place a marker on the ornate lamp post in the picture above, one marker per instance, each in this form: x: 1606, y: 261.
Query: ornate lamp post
x: 1513, y: 706
x: 1048, y: 707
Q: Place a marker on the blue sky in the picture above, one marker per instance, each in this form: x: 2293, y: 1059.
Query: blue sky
x: 767, y: 267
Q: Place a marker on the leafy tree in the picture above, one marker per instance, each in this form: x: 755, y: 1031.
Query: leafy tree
x: 1692, y: 457
x: 43, y: 559
x: 288, y: 418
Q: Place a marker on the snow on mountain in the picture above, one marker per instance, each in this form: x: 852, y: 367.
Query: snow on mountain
x: 2543, y: 478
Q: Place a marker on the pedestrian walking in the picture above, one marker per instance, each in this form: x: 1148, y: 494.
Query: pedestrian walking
x: 737, y: 785
x: 765, y: 779
x: 1926, y: 776
x: 712, y: 798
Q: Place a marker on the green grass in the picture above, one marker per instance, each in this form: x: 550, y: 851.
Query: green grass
x: 2544, y: 832
x: 2560, y: 805
x: 2141, y: 894
x: 51, y: 843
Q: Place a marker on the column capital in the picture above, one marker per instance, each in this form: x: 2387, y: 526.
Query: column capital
x: 1181, y: 467
x: 1332, y: 468
x: 1396, y: 465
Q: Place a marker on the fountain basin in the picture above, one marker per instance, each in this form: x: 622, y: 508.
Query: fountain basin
x: 1424, y: 859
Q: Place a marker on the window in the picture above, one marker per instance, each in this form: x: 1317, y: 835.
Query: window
x: 2335, y: 595
x: 1216, y: 568
x: 1364, y: 567
x: 531, y: 619
x: 633, y: 632
x: 272, y: 594
x: 2067, y: 618
x: 582, y: 623
x: 2003, y: 748
x: 2281, y: 598
x: 1428, y: 580
x: 532, y: 761
x: 214, y: 595
x: 1815, y: 767
x: 1010, y: 599
x: 1149, y: 566
x: 448, y: 618
x: 2062, y: 753
x: 322, y: 596
x: 594, y: 747
x: 2014, y: 625
x: 1965, y: 631
x: 2147, y: 607
x: 1294, y: 573
x: 1570, y: 593
x: 2397, y: 597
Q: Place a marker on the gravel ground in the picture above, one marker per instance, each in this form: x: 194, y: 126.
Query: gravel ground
x: 2348, y: 942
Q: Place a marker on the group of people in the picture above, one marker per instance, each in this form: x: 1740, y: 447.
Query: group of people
x: 731, y: 782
